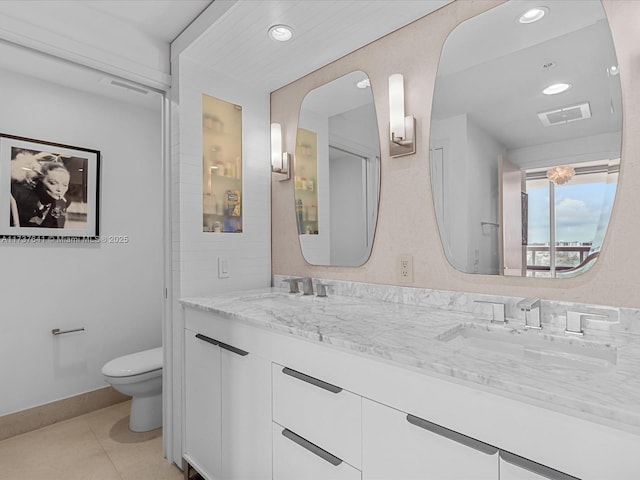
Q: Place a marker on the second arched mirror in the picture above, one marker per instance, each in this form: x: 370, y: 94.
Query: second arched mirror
x: 525, y: 139
x: 337, y: 172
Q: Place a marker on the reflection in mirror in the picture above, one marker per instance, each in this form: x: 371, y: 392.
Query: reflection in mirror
x: 337, y: 172
x: 523, y: 180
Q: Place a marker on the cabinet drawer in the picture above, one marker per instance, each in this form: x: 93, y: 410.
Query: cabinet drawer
x: 403, y: 447
x: 325, y: 414
x: 295, y: 458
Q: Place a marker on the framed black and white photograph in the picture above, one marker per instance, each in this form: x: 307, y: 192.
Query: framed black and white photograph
x: 48, y: 189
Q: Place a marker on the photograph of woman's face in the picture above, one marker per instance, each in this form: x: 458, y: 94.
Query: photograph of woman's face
x: 56, y: 183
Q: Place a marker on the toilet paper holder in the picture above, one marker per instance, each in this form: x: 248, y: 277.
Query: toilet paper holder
x: 57, y: 331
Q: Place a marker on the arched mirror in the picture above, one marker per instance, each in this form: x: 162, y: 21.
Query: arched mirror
x: 337, y: 172
x: 525, y: 142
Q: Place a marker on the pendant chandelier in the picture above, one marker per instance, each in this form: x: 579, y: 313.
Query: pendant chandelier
x: 560, y: 175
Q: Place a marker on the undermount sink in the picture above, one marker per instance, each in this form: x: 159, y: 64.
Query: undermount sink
x: 533, y: 346
x: 282, y: 298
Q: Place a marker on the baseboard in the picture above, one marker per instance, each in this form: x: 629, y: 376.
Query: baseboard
x: 54, y: 412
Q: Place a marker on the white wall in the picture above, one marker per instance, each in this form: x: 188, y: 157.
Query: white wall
x: 113, y: 290
x: 585, y: 149
x: 353, y: 225
x: 317, y: 248
x: 451, y: 135
x: 248, y: 252
x: 195, y: 253
x: 348, y: 210
x: 483, y: 152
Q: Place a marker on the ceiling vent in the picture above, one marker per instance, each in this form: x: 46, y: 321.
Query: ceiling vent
x: 565, y: 115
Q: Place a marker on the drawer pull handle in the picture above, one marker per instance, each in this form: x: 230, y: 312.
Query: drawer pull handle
x: 233, y: 349
x: 534, y: 467
x: 311, y: 380
x: 452, y: 435
x: 206, y: 339
x: 220, y: 344
x: 307, y: 445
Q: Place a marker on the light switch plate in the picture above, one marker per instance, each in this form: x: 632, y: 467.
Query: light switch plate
x: 223, y: 268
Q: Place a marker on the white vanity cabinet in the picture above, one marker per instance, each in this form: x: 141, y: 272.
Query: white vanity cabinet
x: 317, y: 427
x: 325, y: 414
x: 260, y: 405
x: 227, y: 409
x: 296, y: 458
x: 399, y: 446
x: 203, y: 405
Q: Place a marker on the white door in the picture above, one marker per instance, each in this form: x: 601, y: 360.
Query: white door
x: 246, y: 415
x: 510, y: 182
x: 438, y: 188
x: 401, y: 447
x: 202, y: 440
x: 348, y: 207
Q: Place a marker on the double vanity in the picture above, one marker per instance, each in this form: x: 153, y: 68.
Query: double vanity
x: 361, y: 381
x: 387, y: 382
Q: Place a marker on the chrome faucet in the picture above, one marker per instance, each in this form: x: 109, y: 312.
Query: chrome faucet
x: 322, y: 289
x: 293, y: 284
x: 497, y: 311
x: 307, y: 286
x: 531, y: 309
x: 575, y: 325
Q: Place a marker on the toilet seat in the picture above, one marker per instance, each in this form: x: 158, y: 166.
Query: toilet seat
x: 142, y: 377
x: 134, y: 364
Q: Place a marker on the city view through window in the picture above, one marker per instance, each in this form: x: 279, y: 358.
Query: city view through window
x: 581, y: 210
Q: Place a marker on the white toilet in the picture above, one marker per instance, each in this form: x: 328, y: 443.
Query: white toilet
x: 139, y: 375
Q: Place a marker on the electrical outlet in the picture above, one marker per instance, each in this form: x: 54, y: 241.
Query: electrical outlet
x: 405, y: 268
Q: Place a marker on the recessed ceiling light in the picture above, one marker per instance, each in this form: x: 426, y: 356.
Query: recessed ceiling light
x: 281, y: 33
x: 556, y: 88
x: 613, y: 70
x: 364, y: 83
x: 533, y: 15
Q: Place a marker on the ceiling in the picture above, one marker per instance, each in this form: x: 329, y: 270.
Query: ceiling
x: 497, y: 79
x: 235, y: 44
x: 238, y: 45
x: 158, y: 19
x: 117, y: 27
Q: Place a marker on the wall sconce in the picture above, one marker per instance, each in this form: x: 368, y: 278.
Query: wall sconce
x: 402, y: 128
x: 280, y: 161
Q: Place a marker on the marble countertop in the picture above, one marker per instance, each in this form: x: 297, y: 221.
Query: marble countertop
x: 594, y: 377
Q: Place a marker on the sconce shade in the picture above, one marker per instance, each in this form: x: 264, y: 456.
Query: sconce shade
x: 401, y: 128
x: 279, y: 159
x: 396, y: 107
x: 276, y: 147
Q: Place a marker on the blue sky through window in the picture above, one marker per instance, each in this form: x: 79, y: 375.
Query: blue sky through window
x: 582, y: 211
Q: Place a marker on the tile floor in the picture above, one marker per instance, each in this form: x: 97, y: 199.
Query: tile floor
x: 95, y: 446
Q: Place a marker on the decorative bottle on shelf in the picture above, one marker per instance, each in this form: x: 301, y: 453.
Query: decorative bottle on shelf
x: 313, y: 213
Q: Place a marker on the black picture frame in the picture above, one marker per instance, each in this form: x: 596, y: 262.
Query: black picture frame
x: 48, y: 189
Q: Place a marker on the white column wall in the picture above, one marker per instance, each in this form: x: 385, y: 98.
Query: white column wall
x: 195, y: 253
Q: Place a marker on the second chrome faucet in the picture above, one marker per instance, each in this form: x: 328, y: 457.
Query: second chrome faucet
x: 531, y: 309
x: 307, y: 286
